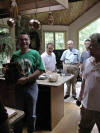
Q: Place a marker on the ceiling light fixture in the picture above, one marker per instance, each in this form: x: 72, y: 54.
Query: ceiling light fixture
x: 50, y: 16
x: 11, y: 22
x: 13, y: 13
x: 34, y: 23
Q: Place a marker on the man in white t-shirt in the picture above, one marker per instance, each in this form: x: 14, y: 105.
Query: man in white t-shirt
x: 49, y: 58
x: 90, y: 88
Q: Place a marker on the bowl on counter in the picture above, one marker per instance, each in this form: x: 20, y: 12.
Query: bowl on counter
x: 53, y: 77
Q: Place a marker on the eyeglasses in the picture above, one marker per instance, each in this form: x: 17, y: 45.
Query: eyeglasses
x: 24, y: 39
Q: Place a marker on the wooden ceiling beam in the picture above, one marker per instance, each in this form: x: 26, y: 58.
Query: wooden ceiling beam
x: 45, y: 9
x: 63, y: 3
x: 34, y: 5
x: 42, y: 6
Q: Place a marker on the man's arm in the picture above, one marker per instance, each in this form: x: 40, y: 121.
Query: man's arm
x: 81, y: 62
x: 82, y: 90
x: 43, y: 59
x: 78, y: 102
x: 62, y: 63
x: 30, y: 78
x: 80, y: 69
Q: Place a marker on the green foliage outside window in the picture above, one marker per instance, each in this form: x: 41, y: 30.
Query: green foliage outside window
x: 85, y: 33
x: 57, y: 38
x: 49, y: 38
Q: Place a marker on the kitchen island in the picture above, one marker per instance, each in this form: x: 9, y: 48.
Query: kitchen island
x: 50, y: 106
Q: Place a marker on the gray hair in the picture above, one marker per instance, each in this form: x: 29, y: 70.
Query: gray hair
x: 50, y: 44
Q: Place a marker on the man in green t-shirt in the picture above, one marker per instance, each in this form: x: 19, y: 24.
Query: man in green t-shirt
x: 26, y: 90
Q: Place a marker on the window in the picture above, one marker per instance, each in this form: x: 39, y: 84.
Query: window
x: 49, y: 37
x: 57, y: 38
x: 87, y: 31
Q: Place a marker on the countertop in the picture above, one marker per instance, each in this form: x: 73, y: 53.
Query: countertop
x: 61, y: 80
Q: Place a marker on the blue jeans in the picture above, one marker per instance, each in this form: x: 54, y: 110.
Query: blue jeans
x: 26, y: 99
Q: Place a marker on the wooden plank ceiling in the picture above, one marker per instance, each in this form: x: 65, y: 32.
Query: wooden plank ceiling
x: 41, y: 7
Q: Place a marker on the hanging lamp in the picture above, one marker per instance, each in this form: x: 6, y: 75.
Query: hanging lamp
x: 50, y: 16
x: 11, y: 22
x: 13, y: 13
x: 34, y: 23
